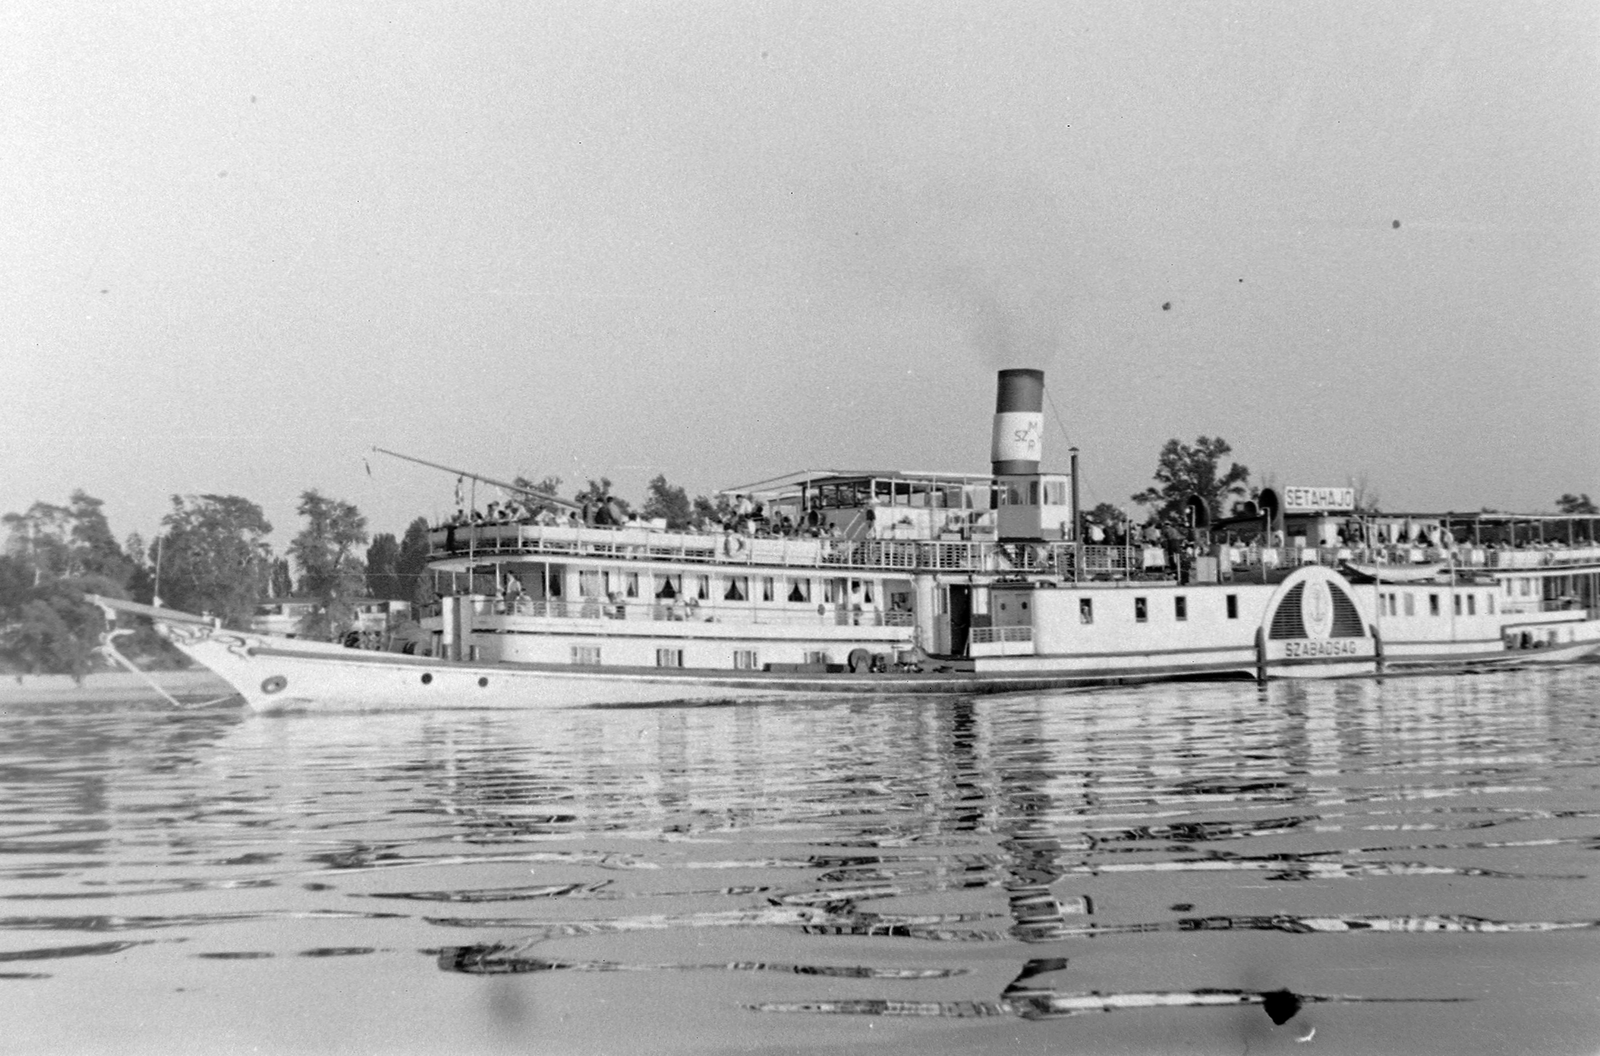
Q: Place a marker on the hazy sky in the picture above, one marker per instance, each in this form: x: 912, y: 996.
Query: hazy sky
x: 721, y: 241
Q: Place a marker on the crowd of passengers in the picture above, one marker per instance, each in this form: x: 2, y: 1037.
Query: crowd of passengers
x: 746, y: 517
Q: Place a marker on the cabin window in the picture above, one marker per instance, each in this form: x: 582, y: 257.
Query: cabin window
x: 586, y: 654
x: 816, y: 656
x: 767, y: 588
x: 1055, y: 493
x: 1433, y: 604
x: 1391, y: 604
x: 745, y: 660
x: 1180, y: 608
x: 799, y: 590
x: 669, y: 657
x: 1033, y: 493
x: 1472, y: 604
x: 1233, y: 606
x: 589, y: 585
x: 1491, y: 603
x: 630, y: 584
x: 1457, y: 599
x: 738, y: 589
x: 668, y: 587
x: 1085, y: 610
x: 1140, y: 611
x: 1527, y: 586
x: 702, y: 587
x: 1411, y: 604
x: 830, y: 591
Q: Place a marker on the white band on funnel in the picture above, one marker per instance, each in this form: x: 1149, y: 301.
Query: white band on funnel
x: 1017, y: 436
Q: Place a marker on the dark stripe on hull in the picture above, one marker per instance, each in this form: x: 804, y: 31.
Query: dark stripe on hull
x: 710, y: 681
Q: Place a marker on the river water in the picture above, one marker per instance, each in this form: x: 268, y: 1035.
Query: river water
x: 1396, y: 866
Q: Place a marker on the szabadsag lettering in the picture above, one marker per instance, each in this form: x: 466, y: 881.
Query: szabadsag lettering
x: 1332, y: 647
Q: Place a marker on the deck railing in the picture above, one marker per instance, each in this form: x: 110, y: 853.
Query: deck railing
x: 987, y: 635
x: 594, y: 609
x: 490, y: 541
x: 1403, y: 556
x: 505, y: 540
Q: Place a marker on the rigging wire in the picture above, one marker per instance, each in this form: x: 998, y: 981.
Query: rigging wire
x: 1083, y: 487
x: 1090, y: 497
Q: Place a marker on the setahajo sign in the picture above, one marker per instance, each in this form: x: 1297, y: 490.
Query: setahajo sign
x: 1296, y: 499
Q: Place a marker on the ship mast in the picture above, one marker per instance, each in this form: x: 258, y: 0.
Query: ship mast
x: 541, y: 496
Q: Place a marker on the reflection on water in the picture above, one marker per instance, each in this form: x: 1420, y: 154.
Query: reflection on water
x: 1396, y: 866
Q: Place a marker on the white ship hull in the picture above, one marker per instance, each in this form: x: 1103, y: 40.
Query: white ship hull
x: 279, y: 674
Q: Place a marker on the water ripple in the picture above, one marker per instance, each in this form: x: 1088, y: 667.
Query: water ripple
x: 1354, y: 860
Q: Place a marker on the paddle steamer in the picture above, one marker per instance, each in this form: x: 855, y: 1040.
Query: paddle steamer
x: 883, y: 583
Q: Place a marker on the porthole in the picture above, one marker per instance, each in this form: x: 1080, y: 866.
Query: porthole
x: 274, y: 684
x: 483, y: 682
x: 426, y: 678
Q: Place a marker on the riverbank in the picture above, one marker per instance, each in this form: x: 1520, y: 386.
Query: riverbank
x: 193, y: 685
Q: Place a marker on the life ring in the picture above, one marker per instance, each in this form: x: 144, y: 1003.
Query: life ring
x: 274, y: 684
x: 733, y: 545
x: 822, y: 609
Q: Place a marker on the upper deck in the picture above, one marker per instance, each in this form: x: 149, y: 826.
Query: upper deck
x: 460, y: 547
x: 466, y: 545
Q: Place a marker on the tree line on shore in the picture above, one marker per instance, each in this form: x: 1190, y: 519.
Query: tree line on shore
x: 212, y: 555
